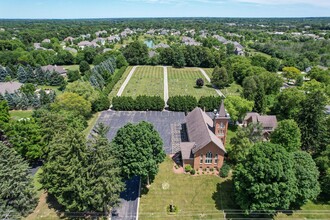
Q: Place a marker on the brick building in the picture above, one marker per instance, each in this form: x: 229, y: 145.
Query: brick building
x: 206, y: 139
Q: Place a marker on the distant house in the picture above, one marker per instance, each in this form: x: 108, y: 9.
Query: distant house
x: 151, y: 32
x: 101, y: 32
x: 238, y: 51
x: 72, y: 50
x: 10, y: 87
x: 161, y: 45
x: 190, y: 41
x: 84, y: 44
x: 152, y: 54
x: 206, y: 139
x: 107, y: 50
x: 99, y: 40
x: 46, y: 41
x: 58, y: 69
x: 113, y: 39
x: 268, y: 122
x: 220, y: 39
x: 69, y: 39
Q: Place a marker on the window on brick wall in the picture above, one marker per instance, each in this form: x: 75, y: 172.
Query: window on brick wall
x: 208, y: 158
x: 201, y: 159
x: 216, y: 159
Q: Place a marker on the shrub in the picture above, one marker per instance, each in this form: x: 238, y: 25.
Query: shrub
x: 224, y: 171
x: 187, y: 168
x: 198, y: 173
x: 116, y: 77
x: 209, y: 103
x: 200, y: 82
x: 141, y: 103
x: 192, y: 172
x: 182, y: 103
x: 203, y: 172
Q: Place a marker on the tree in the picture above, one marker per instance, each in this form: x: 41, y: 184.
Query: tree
x: 290, y: 72
x: 28, y: 89
x: 265, y: 180
x: 139, y: 149
x: 136, y: 53
x: 243, y: 140
x: 4, y: 112
x: 260, y: 99
x: 22, y: 75
x: 84, y: 89
x: 72, y: 102
x: 220, y: 77
x: 73, y: 76
x: 273, y: 65
x: 307, y: 176
x: 288, y: 104
x: 84, y: 67
x: 178, y: 59
x: 287, y: 134
x: 25, y: 136
x: 259, y: 60
x: 237, y: 107
x: 3, y: 74
x: 323, y: 163
x: 199, y: 82
x: 17, y: 194
x: 312, y: 121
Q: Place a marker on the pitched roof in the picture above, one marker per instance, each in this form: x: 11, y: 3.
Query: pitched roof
x: 10, y: 87
x: 186, y: 148
x: 267, y: 121
x: 222, y: 111
x: 199, y: 126
x: 55, y: 68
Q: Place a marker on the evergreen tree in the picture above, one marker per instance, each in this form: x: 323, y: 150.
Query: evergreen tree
x: 40, y: 76
x: 312, y: 121
x: 260, y: 99
x: 17, y: 194
x: 63, y: 172
x: 31, y: 77
x: 3, y: 74
x: 10, y: 100
x: 22, y: 76
x: 4, y: 112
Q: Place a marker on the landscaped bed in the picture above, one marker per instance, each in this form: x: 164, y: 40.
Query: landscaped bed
x: 146, y: 80
x: 183, y: 82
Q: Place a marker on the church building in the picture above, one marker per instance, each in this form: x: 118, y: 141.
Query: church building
x: 206, y: 139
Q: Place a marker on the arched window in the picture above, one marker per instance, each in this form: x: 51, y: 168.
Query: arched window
x: 201, y: 159
x: 208, y: 158
x: 216, y: 159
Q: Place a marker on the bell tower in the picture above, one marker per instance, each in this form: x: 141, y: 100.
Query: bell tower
x: 221, y: 120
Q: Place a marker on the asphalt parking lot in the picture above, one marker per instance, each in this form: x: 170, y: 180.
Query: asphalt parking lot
x: 165, y: 122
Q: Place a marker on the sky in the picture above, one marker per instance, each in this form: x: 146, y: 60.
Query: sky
x: 62, y: 9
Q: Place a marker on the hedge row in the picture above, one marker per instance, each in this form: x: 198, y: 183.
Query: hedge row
x: 188, y: 103
x: 116, y: 77
x: 141, y: 103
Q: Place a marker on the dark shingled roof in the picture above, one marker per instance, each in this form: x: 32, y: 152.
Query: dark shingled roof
x: 222, y: 111
x: 267, y: 121
x: 199, y: 126
x: 10, y: 87
x: 186, y: 148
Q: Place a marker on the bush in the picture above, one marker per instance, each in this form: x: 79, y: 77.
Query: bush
x: 211, y: 169
x: 141, y: 103
x: 182, y: 103
x: 187, y: 168
x: 200, y: 82
x: 209, y: 103
x: 192, y: 172
x: 224, y: 171
x: 116, y: 77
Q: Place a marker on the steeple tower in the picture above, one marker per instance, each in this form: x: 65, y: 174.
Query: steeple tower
x: 221, y: 120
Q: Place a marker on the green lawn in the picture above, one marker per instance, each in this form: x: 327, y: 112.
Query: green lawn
x: 116, y: 88
x: 71, y: 67
x: 91, y: 122
x: 18, y: 114
x: 146, y: 80
x: 195, y: 196
x: 208, y: 71
x: 309, y: 211
x: 183, y: 82
x: 233, y: 90
x: 55, y: 88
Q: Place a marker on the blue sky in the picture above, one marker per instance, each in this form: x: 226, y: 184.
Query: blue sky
x: 162, y: 8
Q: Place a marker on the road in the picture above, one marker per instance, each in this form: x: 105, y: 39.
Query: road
x: 165, y: 86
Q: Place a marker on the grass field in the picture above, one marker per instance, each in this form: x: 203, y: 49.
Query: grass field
x: 18, y: 114
x: 193, y: 195
x: 55, y: 88
x: 116, y: 88
x: 146, y: 80
x: 233, y: 90
x: 183, y: 82
x: 208, y: 71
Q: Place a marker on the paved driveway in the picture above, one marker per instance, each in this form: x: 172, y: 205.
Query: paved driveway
x: 127, y: 209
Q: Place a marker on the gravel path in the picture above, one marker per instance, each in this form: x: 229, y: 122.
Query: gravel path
x: 209, y: 80
x: 122, y: 88
x: 165, y: 86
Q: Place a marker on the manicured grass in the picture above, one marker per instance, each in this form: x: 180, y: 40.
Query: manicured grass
x: 55, y: 88
x: 208, y: 71
x: 91, y: 122
x: 116, y: 88
x: 195, y: 196
x: 309, y: 211
x: 234, y: 90
x: 18, y: 114
x: 71, y: 67
x: 183, y: 82
x: 146, y: 80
